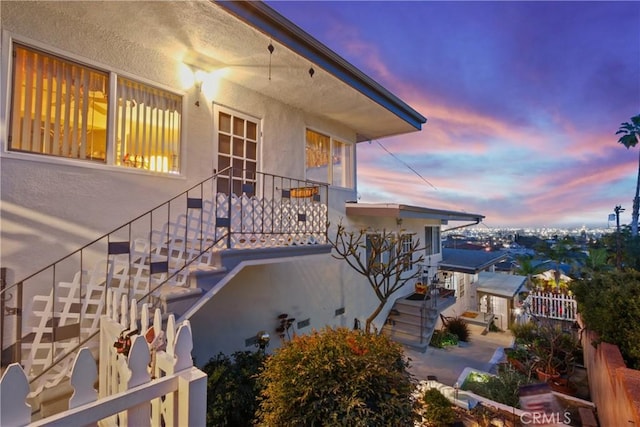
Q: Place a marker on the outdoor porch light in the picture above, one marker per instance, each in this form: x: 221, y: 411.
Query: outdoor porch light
x: 262, y: 340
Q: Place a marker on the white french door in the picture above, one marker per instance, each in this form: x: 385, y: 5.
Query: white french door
x: 238, y: 144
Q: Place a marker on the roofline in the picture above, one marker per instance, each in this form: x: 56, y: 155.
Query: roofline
x: 409, y: 212
x: 263, y: 17
x: 470, y: 268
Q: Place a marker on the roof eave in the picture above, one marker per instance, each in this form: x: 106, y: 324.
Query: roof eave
x: 409, y: 212
x: 264, y: 18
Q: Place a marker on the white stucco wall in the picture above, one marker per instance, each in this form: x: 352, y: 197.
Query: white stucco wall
x: 51, y: 207
x: 310, y: 288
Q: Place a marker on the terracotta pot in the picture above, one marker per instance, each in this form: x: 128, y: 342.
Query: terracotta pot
x: 544, y: 376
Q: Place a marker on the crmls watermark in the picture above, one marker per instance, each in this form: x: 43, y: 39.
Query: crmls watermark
x: 545, y: 418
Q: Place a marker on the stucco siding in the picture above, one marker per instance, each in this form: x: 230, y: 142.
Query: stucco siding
x: 51, y: 206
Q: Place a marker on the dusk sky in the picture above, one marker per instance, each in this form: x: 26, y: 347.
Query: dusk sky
x: 523, y: 100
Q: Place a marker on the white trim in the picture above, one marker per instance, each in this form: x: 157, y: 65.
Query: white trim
x: 332, y: 137
x: 217, y: 109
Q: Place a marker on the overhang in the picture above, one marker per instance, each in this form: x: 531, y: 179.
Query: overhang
x: 469, y: 261
x: 391, y: 210
x: 233, y: 37
x: 500, y: 284
x: 266, y: 19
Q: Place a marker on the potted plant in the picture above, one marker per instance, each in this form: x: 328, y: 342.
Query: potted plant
x: 553, y: 352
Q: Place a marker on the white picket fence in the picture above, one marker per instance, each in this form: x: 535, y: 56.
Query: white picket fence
x: 155, y: 385
x: 552, y: 306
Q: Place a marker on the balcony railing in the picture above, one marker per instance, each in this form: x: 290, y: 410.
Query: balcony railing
x: 54, y: 312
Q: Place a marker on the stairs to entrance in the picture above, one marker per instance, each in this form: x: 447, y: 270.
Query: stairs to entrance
x: 175, y: 257
x: 411, y: 323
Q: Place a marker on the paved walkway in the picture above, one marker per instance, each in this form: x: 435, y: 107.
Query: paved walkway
x: 447, y: 364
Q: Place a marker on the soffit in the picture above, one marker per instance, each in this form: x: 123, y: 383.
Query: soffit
x: 206, y: 33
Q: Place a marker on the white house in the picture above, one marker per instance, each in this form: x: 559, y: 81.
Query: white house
x: 188, y: 154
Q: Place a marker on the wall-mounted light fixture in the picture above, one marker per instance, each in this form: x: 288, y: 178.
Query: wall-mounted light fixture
x: 262, y: 340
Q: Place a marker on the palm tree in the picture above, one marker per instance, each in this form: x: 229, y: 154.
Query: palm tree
x: 630, y: 137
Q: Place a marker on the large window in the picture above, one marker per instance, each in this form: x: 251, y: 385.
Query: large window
x: 328, y: 160
x: 61, y: 108
x: 58, y: 108
x: 147, y: 127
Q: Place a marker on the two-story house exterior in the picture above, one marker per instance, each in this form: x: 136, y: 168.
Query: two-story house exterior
x: 188, y: 154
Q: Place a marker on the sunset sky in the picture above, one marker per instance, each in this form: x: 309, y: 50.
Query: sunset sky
x: 523, y: 100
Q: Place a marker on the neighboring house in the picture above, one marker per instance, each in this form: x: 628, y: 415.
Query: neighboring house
x: 188, y: 155
x: 482, y: 294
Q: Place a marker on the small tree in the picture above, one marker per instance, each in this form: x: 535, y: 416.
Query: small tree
x: 337, y: 377
x: 385, y: 258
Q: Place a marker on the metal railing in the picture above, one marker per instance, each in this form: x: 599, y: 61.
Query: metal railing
x: 57, y: 309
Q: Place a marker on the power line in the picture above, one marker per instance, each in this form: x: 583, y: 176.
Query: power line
x: 406, y: 164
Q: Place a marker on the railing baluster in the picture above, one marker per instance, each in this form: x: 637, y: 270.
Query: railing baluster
x: 284, y: 223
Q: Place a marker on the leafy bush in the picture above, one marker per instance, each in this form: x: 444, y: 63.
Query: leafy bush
x: 609, y: 304
x: 459, y: 328
x: 437, y: 410
x: 524, y: 333
x: 337, y: 377
x: 503, y: 387
x: 232, y: 388
x: 443, y: 338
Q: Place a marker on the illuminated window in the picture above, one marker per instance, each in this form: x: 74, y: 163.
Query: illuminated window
x: 328, y: 160
x: 60, y: 108
x: 147, y: 127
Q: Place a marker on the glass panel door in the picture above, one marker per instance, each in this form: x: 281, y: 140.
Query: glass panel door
x: 237, y: 137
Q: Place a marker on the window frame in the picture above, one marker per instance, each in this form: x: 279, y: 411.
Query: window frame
x: 432, y: 243
x: 221, y: 109
x: 6, y: 93
x: 329, y: 179
x: 403, y: 240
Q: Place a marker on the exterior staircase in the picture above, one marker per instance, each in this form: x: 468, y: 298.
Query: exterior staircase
x: 411, y: 323
x: 174, y: 257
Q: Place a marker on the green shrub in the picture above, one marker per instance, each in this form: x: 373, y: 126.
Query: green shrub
x: 459, y: 328
x: 443, y: 338
x: 337, y: 377
x: 524, y: 333
x: 503, y: 387
x: 437, y: 410
x: 232, y: 388
x: 609, y: 304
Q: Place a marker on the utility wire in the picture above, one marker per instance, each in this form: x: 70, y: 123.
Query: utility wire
x: 406, y: 164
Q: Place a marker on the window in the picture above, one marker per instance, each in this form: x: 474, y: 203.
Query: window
x: 376, y: 252
x: 329, y: 160
x: 237, y: 148
x: 432, y: 240
x: 147, y: 127
x: 60, y: 108
x: 406, y: 255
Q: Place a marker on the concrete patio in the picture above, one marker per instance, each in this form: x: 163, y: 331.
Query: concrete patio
x: 482, y: 352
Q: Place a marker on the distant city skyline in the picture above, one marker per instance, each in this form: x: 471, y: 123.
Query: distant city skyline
x: 523, y: 100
